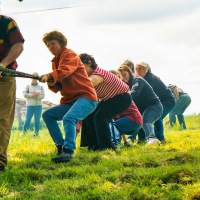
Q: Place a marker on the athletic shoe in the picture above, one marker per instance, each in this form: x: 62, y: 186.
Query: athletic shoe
x: 152, y: 141
x: 64, y: 157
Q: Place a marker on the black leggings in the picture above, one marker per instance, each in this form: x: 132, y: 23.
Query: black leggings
x: 95, y: 128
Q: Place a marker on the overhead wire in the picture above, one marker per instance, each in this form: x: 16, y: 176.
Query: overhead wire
x: 66, y: 7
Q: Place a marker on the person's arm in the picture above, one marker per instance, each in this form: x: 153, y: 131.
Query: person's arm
x: 136, y: 88
x: 40, y: 95
x: 26, y: 93
x: 96, y: 80
x: 13, y: 54
x: 176, y: 92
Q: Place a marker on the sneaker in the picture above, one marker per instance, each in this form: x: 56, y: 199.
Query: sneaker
x: 129, y: 140
x: 152, y: 141
x: 2, y: 168
x: 127, y: 144
x: 64, y: 157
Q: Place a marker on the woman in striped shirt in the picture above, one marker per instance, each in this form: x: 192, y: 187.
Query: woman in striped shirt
x: 114, y: 98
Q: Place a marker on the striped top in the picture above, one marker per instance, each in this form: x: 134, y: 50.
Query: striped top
x: 111, y: 86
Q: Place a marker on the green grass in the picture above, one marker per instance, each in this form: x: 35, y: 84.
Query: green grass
x: 170, y: 171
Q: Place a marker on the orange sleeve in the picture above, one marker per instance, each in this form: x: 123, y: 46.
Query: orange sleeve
x: 68, y: 63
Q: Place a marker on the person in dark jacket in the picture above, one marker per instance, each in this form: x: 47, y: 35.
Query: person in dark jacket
x: 162, y: 91
x: 145, y: 99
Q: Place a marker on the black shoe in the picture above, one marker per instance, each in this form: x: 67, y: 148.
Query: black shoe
x: 92, y: 148
x: 141, y: 141
x: 64, y: 157
x: 127, y: 144
x: 59, y: 150
x: 163, y: 141
x: 2, y: 168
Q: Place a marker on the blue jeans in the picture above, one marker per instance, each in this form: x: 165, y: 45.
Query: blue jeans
x: 115, y: 135
x: 31, y: 111
x: 181, y: 104
x: 95, y: 131
x: 150, y: 115
x: 125, y: 126
x: 158, y: 126
x: 70, y: 113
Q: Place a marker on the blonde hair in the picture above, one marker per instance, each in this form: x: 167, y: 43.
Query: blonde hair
x: 117, y: 73
x: 145, y: 65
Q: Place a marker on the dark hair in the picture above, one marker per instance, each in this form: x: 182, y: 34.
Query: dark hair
x: 55, y: 35
x: 86, y: 58
x: 130, y: 64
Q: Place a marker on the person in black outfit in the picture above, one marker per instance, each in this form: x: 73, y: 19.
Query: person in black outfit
x: 162, y: 91
x: 145, y: 99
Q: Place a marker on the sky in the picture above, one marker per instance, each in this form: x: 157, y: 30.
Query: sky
x: 166, y: 34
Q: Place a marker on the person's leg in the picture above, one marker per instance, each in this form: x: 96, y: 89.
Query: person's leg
x: 37, y: 116
x: 172, y: 118
x: 7, y: 109
x: 183, y: 102
x: 181, y: 121
x: 115, y: 135
x: 150, y: 116
x: 141, y: 136
x: 88, y: 133
x: 125, y: 125
x: 29, y: 115
x: 50, y: 117
x: 80, y: 109
x: 104, y: 115
x: 158, y: 125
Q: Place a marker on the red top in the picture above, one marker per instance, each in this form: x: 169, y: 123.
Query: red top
x: 71, y: 77
x: 111, y: 86
x: 131, y: 113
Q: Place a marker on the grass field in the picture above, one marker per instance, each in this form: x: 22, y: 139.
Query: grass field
x: 143, y: 172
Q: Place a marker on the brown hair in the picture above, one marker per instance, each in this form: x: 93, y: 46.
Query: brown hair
x: 125, y: 68
x: 55, y: 35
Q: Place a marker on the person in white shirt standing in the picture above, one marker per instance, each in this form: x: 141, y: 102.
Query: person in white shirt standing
x: 34, y: 93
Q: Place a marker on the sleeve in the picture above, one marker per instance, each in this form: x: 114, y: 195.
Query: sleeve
x: 26, y: 92
x: 69, y: 62
x: 56, y: 88
x: 136, y: 88
x: 14, y: 33
x: 42, y: 95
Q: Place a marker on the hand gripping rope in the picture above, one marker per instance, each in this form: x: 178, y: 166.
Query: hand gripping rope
x: 10, y: 72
